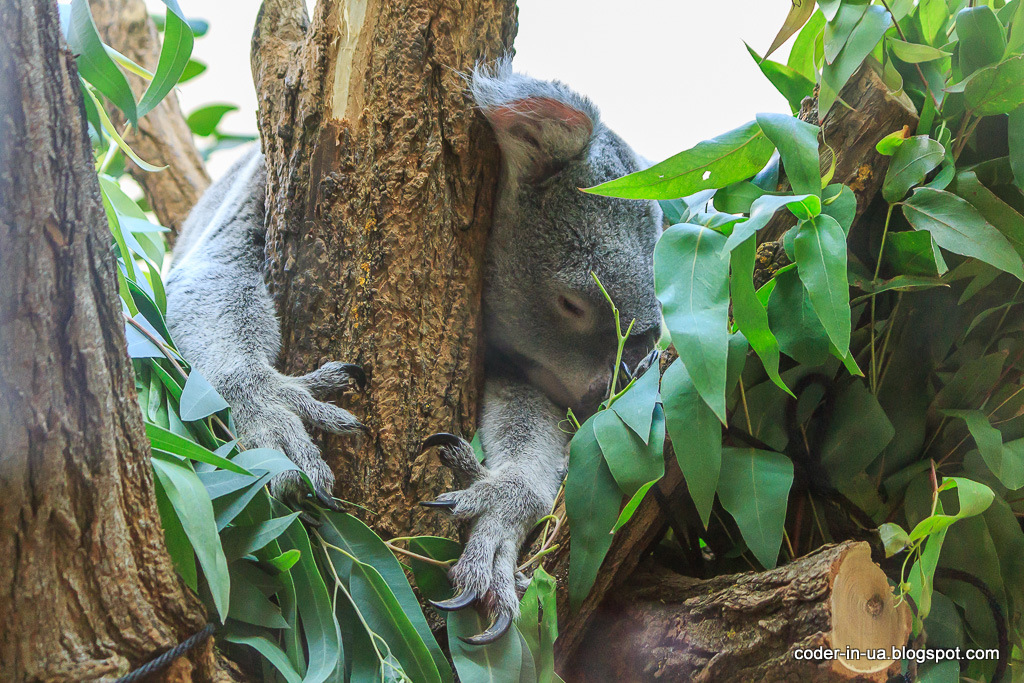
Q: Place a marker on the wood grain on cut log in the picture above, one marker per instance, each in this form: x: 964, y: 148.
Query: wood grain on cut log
x: 749, y: 627
x: 163, y: 136
x: 874, y: 112
x: 87, y: 588
x: 381, y: 178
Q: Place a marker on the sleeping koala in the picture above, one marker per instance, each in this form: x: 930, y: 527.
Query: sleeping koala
x: 550, y: 333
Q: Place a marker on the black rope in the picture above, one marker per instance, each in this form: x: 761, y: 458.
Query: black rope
x: 167, y: 657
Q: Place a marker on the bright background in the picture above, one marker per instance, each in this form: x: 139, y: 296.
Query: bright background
x: 666, y: 74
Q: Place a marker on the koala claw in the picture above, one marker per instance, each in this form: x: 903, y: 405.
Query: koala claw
x: 441, y: 439
x: 497, y: 629
x: 460, y: 601
x: 456, y: 454
x: 448, y: 505
x: 327, y: 500
x: 357, y: 374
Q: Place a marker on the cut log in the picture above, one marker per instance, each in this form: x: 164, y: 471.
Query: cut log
x: 829, y: 616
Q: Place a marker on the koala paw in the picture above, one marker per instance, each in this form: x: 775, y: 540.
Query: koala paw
x: 500, y: 509
x: 274, y: 417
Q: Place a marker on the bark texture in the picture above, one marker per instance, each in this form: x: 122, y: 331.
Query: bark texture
x: 747, y: 627
x: 163, y: 136
x: 86, y: 586
x: 381, y: 179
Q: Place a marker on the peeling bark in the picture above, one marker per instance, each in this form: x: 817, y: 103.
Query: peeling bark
x: 87, y: 588
x: 381, y: 179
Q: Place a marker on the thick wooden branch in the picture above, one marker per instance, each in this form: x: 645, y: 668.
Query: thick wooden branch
x: 381, y: 178
x: 750, y: 627
x: 163, y: 136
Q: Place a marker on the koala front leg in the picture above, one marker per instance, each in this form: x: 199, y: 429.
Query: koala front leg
x: 504, y: 498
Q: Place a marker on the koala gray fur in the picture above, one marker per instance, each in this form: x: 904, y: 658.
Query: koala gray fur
x: 549, y: 331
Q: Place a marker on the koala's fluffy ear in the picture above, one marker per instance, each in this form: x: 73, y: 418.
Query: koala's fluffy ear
x: 540, y: 125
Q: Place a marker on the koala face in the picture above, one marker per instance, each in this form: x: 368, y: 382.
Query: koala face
x: 544, y: 312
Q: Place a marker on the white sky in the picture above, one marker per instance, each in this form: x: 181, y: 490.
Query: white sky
x: 666, y: 74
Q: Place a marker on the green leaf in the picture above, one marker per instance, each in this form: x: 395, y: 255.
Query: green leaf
x: 204, y: 121
x: 957, y: 226
x: 839, y: 28
x: 749, y: 314
x: 974, y: 499
x: 692, y: 281
x: 796, y: 325
x: 914, y: 253
x: 539, y: 623
x: 630, y: 507
x: 313, y: 601
x: 94, y: 64
x: 631, y: 463
x: 592, y: 505
x: 862, y: 41
x: 982, y: 41
x: 915, y: 53
x: 192, y: 69
x: 754, y: 488
x: 820, y: 249
x: 250, y: 605
x: 801, y: 56
x: 793, y: 85
x: 894, y: 538
x: 888, y: 145
x: 199, y: 399
x: 839, y: 202
x: 799, y: 13
x: 696, y: 437
x: 711, y: 164
x: 431, y: 580
x: 856, y: 435
x: 286, y: 560
x: 636, y: 406
x: 1015, y: 126
x: 229, y: 506
x: 499, y: 662
x: 922, y: 574
x: 165, y: 440
x: 194, y: 510
x: 174, y: 56
x: 244, y: 634
x: 1001, y: 215
x: 388, y: 619
x: 997, y: 89
x: 179, y: 547
x: 1003, y: 460
x: 354, y: 537
x: 761, y: 212
x: 239, y: 541
x: 797, y: 142
x: 911, y: 162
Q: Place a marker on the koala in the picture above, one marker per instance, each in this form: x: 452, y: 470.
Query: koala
x: 550, y: 333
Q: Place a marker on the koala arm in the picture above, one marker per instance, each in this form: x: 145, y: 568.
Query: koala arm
x: 222, y: 319
x: 525, y: 454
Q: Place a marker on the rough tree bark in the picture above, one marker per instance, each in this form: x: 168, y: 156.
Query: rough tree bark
x: 747, y: 627
x: 163, y: 136
x: 380, y: 184
x: 86, y: 586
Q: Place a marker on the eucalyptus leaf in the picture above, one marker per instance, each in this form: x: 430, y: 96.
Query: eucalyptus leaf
x: 982, y: 40
x: 797, y: 142
x: 754, y: 488
x: 911, y: 163
x: 799, y: 13
x: 199, y: 399
x: 820, y: 248
x: 997, y: 89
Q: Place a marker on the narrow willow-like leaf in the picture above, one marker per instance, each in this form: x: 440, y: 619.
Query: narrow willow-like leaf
x: 712, y: 164
x: 174, y: 55
x: 799, y: 13
x: 94, y: 64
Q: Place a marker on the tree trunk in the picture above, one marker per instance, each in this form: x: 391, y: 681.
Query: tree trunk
x: 749, y: 627
x: 86, y: 586
x: 163, y: 136
x: 381, y: 179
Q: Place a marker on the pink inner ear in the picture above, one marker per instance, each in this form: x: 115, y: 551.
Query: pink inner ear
x: 538, y: 109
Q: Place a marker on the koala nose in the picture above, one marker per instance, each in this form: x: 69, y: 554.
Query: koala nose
x: 576, y: 312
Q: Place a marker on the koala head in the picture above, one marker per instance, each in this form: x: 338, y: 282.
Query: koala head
x: 544, y: 313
